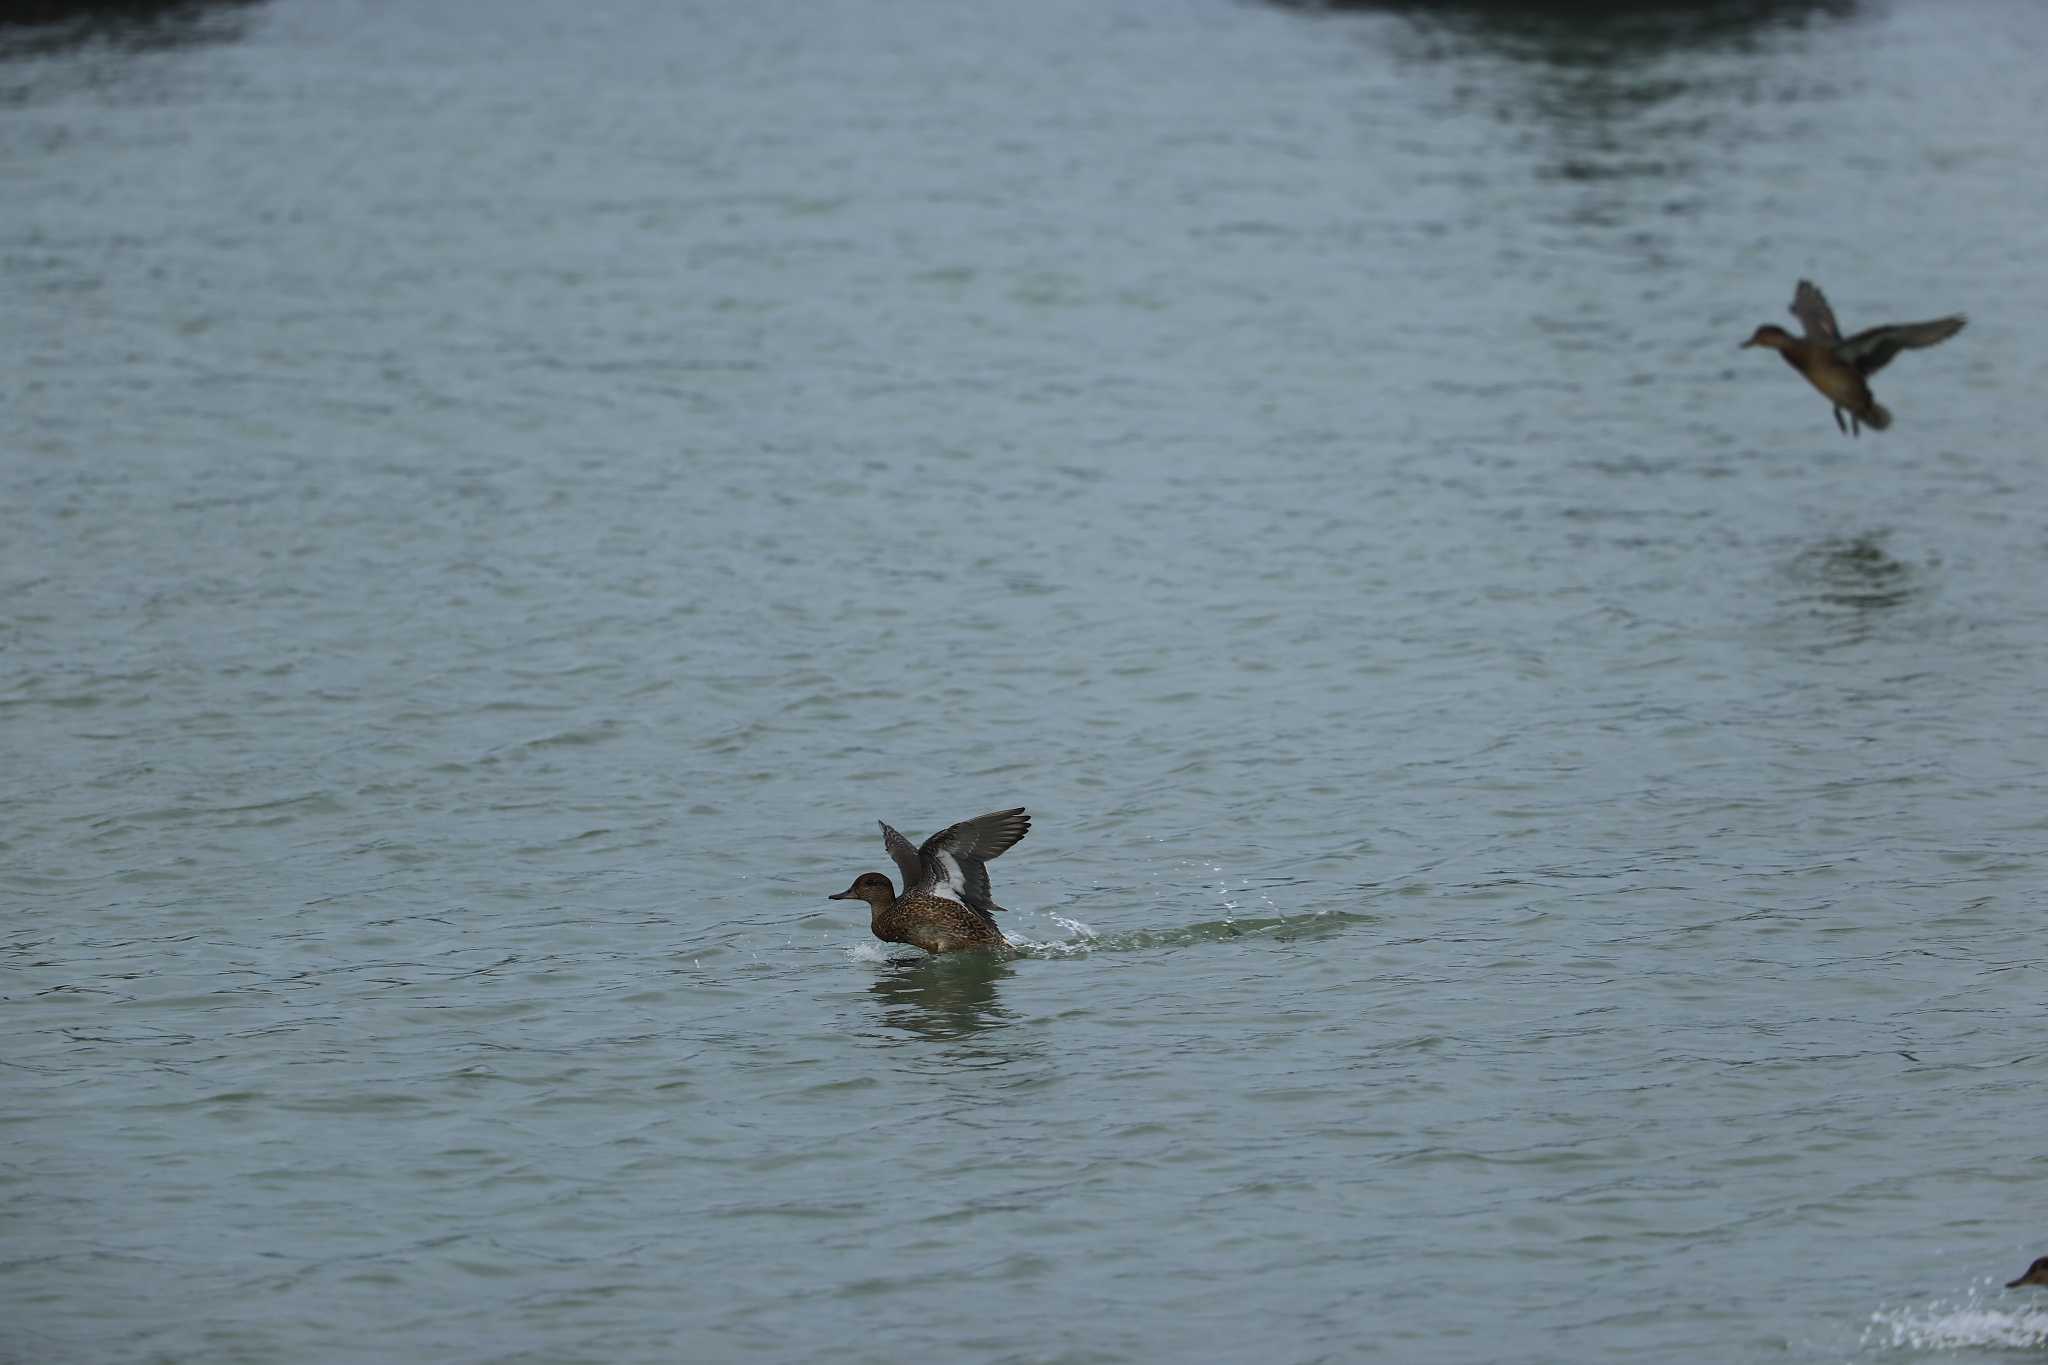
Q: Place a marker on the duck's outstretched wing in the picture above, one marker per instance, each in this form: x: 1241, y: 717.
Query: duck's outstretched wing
x: 907, y: 860
x: 955, y: 859
x: 1871, y: 351
x: 1816, y: 319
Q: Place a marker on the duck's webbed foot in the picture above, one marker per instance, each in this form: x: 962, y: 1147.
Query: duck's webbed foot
x: 1840, y: 425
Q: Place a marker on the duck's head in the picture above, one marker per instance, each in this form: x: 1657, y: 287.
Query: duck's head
x: 871, y: 887
x: 2037, y: 1273
x: 1777, y: 338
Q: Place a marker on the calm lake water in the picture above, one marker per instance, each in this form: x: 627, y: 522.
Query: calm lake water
x: 1539, y: 839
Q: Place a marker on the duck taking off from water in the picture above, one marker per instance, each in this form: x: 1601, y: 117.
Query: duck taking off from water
x: 945, y: 905
x: 1840, y: 367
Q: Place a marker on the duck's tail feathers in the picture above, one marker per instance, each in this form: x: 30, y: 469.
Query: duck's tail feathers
x: 1876, y: 416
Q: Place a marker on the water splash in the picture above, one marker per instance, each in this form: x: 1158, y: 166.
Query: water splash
x: 1942, y: 1325
x: 1082, y: 941
x: 1229, y: 895
x: 1223, y: 892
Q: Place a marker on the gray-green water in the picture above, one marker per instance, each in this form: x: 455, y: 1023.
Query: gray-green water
x: 1539, y: 840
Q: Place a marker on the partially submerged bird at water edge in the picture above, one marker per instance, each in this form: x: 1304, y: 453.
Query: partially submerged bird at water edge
x: 945, y: 905
x: 1840, y: 367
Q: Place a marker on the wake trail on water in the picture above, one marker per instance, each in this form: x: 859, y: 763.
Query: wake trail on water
x: 1083, y: 940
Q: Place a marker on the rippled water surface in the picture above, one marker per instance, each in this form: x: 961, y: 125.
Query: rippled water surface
x: 1538, y: 839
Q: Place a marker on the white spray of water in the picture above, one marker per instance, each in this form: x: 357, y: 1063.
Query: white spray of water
x: 1083, y: 938
x: 1073, y: 926
x: 1941, y: 1325
x: 1223, y: 893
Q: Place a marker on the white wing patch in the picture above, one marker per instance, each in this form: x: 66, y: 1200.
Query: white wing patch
x: 947, y: 880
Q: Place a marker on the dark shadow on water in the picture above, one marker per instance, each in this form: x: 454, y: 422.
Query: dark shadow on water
x: 1576, y: 64
x: 1533, y: 28
x: 37, y: 28
x: 1847, y: 591
x: 1855, y: 574
x: 944, y: 997
x: 1610, y: 100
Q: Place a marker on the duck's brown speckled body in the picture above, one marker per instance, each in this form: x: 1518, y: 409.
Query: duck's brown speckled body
x: 932, y: 923
x: 1840, y: 367
x: 945, y: 905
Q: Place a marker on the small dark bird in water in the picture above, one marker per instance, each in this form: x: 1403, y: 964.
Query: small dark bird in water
x: 2037, y: 1273
x: 1839, y: 368
x: 945, y: 905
